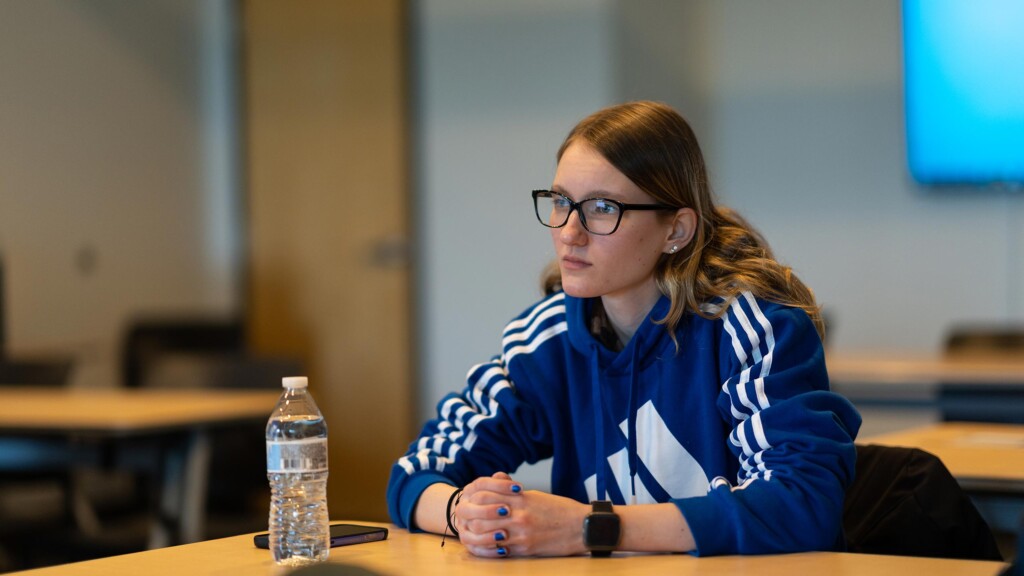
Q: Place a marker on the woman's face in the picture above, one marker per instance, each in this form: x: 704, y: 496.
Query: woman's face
x: 620, y: 265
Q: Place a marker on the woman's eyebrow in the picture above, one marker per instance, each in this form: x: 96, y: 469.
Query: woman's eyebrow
x: 590, y: 194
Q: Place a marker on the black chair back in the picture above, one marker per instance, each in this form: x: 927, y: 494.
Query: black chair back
x: 147, y: 340
x: 996, y: 341
x: 35, y: 372
x: 3, y: 317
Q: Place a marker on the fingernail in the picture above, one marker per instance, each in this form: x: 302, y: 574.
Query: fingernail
x: 502, y: 511
x: 517, y: 488
x: 499, y: 536
x: 502, y: 551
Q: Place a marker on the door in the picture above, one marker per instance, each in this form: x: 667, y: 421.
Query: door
x: 327, y: 223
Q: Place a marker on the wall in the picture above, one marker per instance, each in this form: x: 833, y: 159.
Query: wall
x: 118, y: 183
x: 806, y: 139
x: 498, y: 86
x: 798, y: 104
x: 108, y: 190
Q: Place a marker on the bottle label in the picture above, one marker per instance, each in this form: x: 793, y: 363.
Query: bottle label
x: 306, y: 455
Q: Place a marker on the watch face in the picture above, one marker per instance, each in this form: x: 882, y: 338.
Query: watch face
x: 601, y: 531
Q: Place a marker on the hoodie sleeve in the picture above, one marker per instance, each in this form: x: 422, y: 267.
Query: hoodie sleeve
x: 487, y: 427
x: 792, y: 438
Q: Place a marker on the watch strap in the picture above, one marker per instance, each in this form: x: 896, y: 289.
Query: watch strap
x: 602, y: 510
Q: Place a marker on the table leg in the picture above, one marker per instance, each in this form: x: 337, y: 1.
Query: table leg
x: 182, y: 505
x: 196, y: 476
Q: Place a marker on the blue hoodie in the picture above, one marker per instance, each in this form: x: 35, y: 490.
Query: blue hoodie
x: 737, y: 427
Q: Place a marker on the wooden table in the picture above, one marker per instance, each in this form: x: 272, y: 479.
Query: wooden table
x: 889, y: 369
x: 898, y: 390
x: 421, y: 554
x: 982, y: 457
x: 172, y: 423
x: 127, y: 412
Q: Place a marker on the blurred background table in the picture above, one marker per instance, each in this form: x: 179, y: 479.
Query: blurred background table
x: 163, y: 431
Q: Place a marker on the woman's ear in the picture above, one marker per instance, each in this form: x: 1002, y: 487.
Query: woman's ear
x: 684, y: 226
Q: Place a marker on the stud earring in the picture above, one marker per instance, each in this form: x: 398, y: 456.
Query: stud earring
x: 673, y: 250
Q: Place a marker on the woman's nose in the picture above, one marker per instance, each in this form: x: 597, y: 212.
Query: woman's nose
x: 573, y: 232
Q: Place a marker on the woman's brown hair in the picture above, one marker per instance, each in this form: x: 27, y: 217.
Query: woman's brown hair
x: 653, y: 146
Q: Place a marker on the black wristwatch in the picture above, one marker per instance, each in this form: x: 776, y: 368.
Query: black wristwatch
x: 601, y: 529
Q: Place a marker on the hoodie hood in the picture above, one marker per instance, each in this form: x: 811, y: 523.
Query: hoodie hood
x: 645, y: 346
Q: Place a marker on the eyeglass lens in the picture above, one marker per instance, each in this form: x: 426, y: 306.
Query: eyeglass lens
x: 597, y: 214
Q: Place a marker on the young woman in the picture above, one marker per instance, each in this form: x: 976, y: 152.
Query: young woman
x: 674, y: 373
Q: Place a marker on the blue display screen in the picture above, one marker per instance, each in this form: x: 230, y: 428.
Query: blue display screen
x: 964, y: 85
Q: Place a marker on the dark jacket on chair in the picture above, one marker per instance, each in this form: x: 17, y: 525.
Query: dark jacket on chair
x: 905, y: 502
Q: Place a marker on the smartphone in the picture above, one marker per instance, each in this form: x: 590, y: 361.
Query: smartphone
x: 341, y: 535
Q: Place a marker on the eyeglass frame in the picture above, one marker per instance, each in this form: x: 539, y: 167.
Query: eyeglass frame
x: 575, y: 206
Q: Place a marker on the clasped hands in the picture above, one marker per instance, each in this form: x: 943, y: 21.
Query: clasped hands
x: 497, y: 518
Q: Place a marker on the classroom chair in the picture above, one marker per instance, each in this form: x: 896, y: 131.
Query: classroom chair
x: 38, y: 494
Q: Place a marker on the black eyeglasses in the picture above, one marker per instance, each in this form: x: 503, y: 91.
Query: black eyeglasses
x: 598, y: 215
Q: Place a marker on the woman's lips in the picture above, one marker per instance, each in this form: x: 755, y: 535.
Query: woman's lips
x: 573, y: 263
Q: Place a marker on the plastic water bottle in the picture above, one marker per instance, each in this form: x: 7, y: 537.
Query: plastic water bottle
x: 297, y: 470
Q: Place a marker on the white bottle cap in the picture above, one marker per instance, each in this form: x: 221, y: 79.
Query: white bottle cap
x: 290, y: 382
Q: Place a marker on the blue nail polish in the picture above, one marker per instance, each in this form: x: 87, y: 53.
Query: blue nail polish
x: 499, y: 536
x: 502, y: 551
x: 502, y: 511
x: 517, y: 488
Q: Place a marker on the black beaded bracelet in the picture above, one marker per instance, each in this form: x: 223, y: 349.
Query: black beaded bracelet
x: 453, y: 501
x: 449, y: 513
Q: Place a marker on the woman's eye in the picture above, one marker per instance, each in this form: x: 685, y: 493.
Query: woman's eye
x: 602, y: 208
x: 560, y: 202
